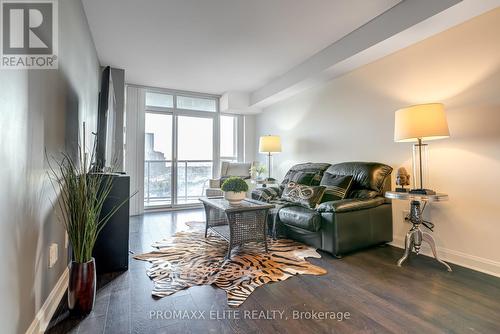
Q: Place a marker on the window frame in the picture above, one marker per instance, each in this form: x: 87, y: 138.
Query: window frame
x: 196, y: 97
x: 176, y: 112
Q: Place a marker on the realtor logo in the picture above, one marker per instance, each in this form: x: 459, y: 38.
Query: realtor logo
x: 29, y: 34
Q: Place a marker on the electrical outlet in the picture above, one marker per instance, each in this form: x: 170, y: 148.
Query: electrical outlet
x: 53, y: 254
x: 405, y: 214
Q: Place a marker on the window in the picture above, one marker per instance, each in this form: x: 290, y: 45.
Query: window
x: 195, y: 157
x: 195, y: 138
x: 196, y: 103
x: 228, y: 137
x: 159, y: 100
x: 158, y: 159
x: 179, y: 147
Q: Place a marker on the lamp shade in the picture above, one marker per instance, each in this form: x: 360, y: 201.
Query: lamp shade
x: 423, y: 121
x: 270, y: 144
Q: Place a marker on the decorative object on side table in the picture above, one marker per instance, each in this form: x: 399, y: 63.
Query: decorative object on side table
x: 234, y: 189
x: 415, y: 124
x: 257, y: 170
x: 269, y: 144
x: 80, y: 197
x: 402, y: 179
x: 414, y: 237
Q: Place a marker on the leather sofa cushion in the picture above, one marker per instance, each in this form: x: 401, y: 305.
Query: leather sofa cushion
x: 314, y: 171
x: 364, y: 194
x: 368, y: 177
x: 301, y: 217
x: 306, y: 178
x: 337, y: 186
x: 266, y: 194
x: 350, y: 204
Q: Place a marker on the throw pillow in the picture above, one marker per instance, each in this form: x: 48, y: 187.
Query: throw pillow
x: 336, y: 187
x: 308, y: 196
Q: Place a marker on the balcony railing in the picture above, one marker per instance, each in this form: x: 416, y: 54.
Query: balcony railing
x: 192, y: 176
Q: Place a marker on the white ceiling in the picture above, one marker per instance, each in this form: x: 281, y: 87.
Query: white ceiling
x: 214, y: 46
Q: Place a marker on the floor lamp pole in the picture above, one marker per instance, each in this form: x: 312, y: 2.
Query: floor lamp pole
x: 268, y: 165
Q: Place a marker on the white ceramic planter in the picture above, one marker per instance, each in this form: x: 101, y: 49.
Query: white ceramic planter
x: 234, y: 197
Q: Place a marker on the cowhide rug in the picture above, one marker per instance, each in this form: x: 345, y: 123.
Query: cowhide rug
x: 188, y: 259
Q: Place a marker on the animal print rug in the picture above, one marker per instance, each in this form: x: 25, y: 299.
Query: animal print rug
x: 188, y: 259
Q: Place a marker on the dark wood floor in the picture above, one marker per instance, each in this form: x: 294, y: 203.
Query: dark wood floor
x: 420, y: 297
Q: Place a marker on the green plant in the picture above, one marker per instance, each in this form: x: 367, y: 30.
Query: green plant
x: 234, y: 183
x: 81, y: 195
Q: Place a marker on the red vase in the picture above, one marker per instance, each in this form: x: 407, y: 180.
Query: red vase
x: 81, y: 287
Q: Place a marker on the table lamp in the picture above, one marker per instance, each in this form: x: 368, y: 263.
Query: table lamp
x: 416, y: 124
x: 269, y: 144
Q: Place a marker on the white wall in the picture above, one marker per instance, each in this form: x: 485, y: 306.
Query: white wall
x: 249, y: 146
x: 352, y: 118
x: 40, y: 110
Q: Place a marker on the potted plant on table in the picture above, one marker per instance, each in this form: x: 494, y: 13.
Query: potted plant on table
x: 81, y: 193
x: 234, y: 189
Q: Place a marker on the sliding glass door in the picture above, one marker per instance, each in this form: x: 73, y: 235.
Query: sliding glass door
x: 195, y: 157
x: 180, y: 148
x: 158, y: 159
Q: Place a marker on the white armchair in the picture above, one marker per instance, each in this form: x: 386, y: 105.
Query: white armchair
x: 240, y: 169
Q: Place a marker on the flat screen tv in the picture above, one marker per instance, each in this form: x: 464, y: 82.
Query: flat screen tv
x: 106, y: 123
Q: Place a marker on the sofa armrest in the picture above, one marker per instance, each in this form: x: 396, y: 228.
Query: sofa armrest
x: 350, y: 204
x: 266, y: 194
x: 214, y: 183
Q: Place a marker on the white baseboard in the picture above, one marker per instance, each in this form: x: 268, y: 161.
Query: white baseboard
x: 465, y: 260
x: 43, y: 316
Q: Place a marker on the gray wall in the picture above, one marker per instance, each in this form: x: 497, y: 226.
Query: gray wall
x: 40, y: 109
x: 352, y: 118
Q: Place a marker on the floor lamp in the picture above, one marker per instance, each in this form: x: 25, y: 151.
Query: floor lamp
x: 416, y: 124
x: 269, y: 144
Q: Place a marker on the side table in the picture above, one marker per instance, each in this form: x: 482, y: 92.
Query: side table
x: 415, y: 236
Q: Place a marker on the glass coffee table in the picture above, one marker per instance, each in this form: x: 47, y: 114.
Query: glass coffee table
x: 237, y: 224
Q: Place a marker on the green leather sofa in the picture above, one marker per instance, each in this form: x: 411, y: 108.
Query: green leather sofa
x: 362, y: 219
